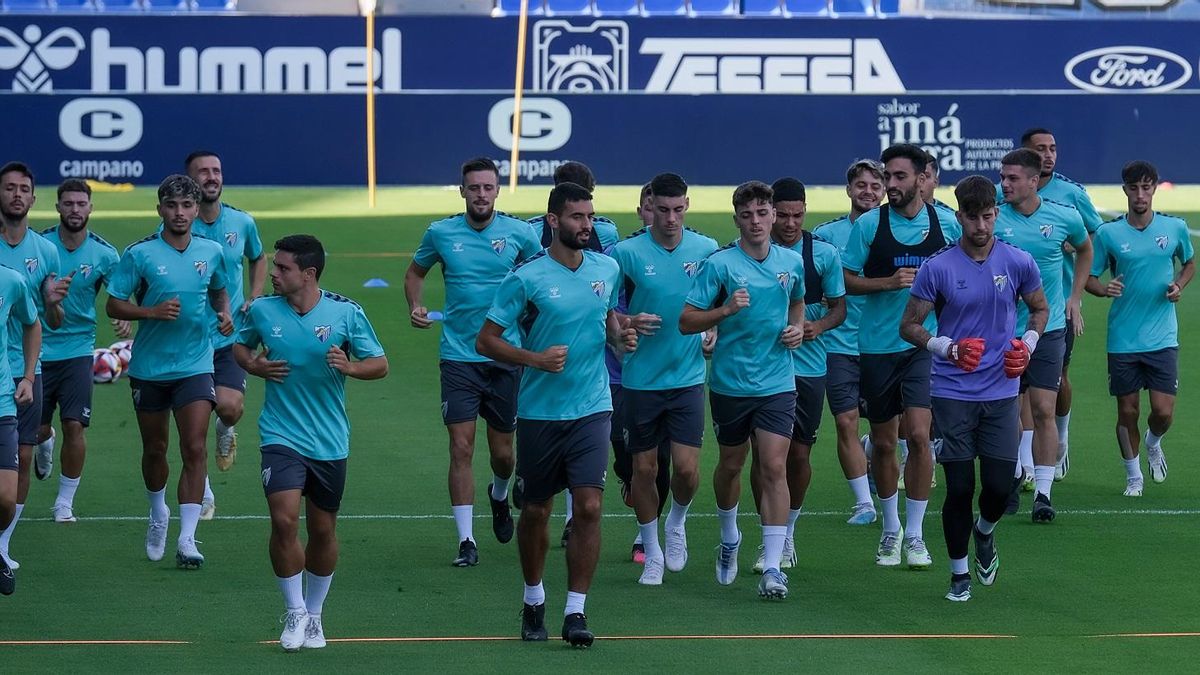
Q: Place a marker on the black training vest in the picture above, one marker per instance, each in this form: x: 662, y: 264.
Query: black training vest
x: 888, y: 255
x: 548, y: 236
x: 813, y: 291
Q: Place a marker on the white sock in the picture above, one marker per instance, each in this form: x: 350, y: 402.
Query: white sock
x: 158, y: 505
x: 1043, y: 478
x: 638, y: 539
x: 868, y: 446
x: 650, y: 539
x: 221, y: 428
x: 1025, y: 451
x: 66, y: 490
x: 984, y: 526
x: 773, y: 536
x: 316, y: 588
x: 1133, y: 469
x: 574, y: 603
x: 208, y: 493
x: 902, y: 450
x: 6, y: 536
x: 959, y: 566
x: 500, y: 487
x: 1062, y: 422
x: 1152, y: 441
x: 729, y: 528
x: 677, y: 516
x: 891, y: 512
x: 535, y: 595
x: 293, y: 591
x: 793, y: 514
x: 914, y: 516
x: 570, y: 505
x: 189, y: 517
x: 861, y: 488
x: 462, y: 519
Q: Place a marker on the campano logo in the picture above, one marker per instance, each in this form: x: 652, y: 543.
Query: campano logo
x: 100, y: 125
x: 545, y: 124
x: 1133, y: 69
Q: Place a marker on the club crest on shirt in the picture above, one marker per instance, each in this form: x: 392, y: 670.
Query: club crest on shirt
x: 1047, y: 230
x: 31, y: 265
x: 1001, y: 280
x: 231, y: 238
x: 598, y: 288
x: 498, y: 245
x: 85, y: 270
x: 322, y: 332
x: 201, y: 266
x: 691, y: 267
x: 1161, y: 240
x: 782, y: 277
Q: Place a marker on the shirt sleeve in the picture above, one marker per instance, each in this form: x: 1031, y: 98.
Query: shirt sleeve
x: 1077, y: 231
x: 616, y: 292
x: 925, y: 285
x: 253, y: 249
x: 531, y: 245
x: 249, y: 336
x: 107, y: 265
x: 1087, y: 210
x: 125, y: 278
x: 706, y: 286
x: 427, y: 255
x: 1099, y: 254
x: 219, y: 277
x: 1184, y: 251
x: 363, y: 342
x: 833, y: 282
x: 509, y: 302
x: 858, y: 245
x: 1031, y: 277
x: 24, y: 309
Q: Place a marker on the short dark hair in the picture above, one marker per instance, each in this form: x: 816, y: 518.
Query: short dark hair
x: 74, y: 185
x: 975, y: 194
x: 668, y: 185
x: 872, y: 166
x: 566, y: 192
x: 752, y: 191
x: 646, y: 192
x: 1035, y: 131
x: 1025, y: 158
x: 178, y: 185
x: 912, y: 153
x: 197, y: 154
x: 480, y: 164
x: 575, y: 172
x: 1137, y: 171
x: 306, y: 249
x: 787, y: 190
x: 19, y: 167
x: 931, y: 162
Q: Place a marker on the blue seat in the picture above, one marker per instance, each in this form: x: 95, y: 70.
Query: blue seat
x: 615, y: 6
x: 513, y: 7
x: 123, y: 6
x: 25, y: 5
x: 569, y: 7
x: 166, y: 5
x: 213, y: 5
x: 712, y: 7
x: 888, y: 7
x: 806, y: 7
x: 853, y: 7
x: 763, y: 7
x: 74, y: 5
x: 664, y: 7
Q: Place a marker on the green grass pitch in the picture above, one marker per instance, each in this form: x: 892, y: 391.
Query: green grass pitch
x: 1108, y: 565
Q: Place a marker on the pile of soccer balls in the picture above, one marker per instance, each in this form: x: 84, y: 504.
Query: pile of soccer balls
x: 110, y: 364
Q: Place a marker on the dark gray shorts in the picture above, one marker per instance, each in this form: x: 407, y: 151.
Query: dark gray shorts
x: 156, y: 396
x: 735, y: 418
x: 480, y: 389
x: 1069, y: 339
x: 810, y: 398
x: 971, y: 429
x: 322, y: 481
x: 675, y: 415
x: 1156, y: 371
x: 893, y: 382
x: 9, y: 459
x: 226, y: 371
x: 841, y: 383
x: 1046, y: 362
x: 29, y: 416
x: 67, y: 385
x: 553, y: 455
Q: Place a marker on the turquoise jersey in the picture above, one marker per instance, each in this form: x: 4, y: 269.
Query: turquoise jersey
x: 879, y: 327
x: 93, y: 262
x: 808, y: 360
x: 474, y: 262
x: 844, y: 338
x: 749, y: 358
x: 35, y: 259
x: 16, y: 306
x: 604, y: 229
x: 1041, y: 234
x: 1142, y: 319
x: 237, y: 234
x: 554, y: 305
x: 1066, y: 191
x: 307, y: 411
x: 656, y: 281
x: 150, y: 272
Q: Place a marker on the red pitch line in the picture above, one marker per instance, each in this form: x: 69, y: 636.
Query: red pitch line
x: 815, y: 636
x: 18, y: 643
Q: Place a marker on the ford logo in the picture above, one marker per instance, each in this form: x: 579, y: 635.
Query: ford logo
x: 1141, y: 70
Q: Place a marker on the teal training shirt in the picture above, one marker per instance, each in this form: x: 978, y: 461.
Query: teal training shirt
x: 844, y: 338
x: 93, y: 263
x: 809, y: 359
x: 16, y: 306
x: 307, y: 411
x: 474, y: 262
x: 554, y: 305
x: 35, y: 259
x: 1041, y: 234
x: 237, y: 234
x: 150, y: 272
x: 657, y: 281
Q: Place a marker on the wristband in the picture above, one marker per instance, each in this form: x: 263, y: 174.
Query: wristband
x: 940, y: 345
x: 1030, y: 338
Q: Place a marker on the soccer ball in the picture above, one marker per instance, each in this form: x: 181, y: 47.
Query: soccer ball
x: 106, y: 366
x: 124, y: 351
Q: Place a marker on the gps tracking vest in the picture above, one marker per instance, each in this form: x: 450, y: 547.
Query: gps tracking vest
x: 813, y: 290
x: 888, y: 255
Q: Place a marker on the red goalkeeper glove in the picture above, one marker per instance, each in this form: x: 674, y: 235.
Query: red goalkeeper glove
x: 966, y: 353
x: 1016, y: 359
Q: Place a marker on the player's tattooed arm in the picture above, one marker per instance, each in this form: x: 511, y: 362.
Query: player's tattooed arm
x: 1039, y: 311
x: 414, y: 286
x: 912, y: 323
x: 218, y: 299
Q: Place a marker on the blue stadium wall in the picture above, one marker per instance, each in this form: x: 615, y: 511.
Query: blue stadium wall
x: 718, y: 100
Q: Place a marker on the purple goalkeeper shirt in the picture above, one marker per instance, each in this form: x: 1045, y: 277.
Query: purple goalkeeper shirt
x: 976, y: 300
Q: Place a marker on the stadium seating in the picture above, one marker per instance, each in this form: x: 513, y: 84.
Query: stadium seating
x: 616, y: 6
x: 213, y: 5
x: 664, y: 7
x: 568, y: 7
x: 853, y: 8
x: 712, y: 7
x: 166, y: 5
x: 122, y: 6
x: 805, y: 8
x: 762, y: 7
x: 25, y: 5
x: 74, y: 5
x: 504, y: 7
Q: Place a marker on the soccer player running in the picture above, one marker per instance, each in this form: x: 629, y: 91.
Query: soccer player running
x: 562, y: 300
x: 305, y: 342
x: 36, y: 259
x: 476, y: 249
x: 67, y: 349
x: 864, y: 187
x: 1139, y: 250
x: 754, y: 291
x: 172, y: 283
x: 885, y: 250
x: 824, y: 308
x: 973, y: 287
x: 237, y: 234
x: 1041, y: 227
x: 663, y: 381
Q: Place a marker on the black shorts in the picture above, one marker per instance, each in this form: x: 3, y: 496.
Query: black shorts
x: 1046, y: 362
x: 480, y: 389
x: 893, y: 382
x: 735, y: 418
x: 156, y: 396
x: 8, y: 444
x: 553, y: 455
x: 841, y: 383
x: 676, y: 415
x: 322, y: 481
x: 226, y: 371
x: 67, y: 385
x: 29, y: 416
x: 1069, y: 339
x: 1156, y: 371
x: 971, y: 429
x: 810, y: 398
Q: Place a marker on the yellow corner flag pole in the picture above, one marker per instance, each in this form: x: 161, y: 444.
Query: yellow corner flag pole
x: 368, y: 7
x: 518, y: 87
